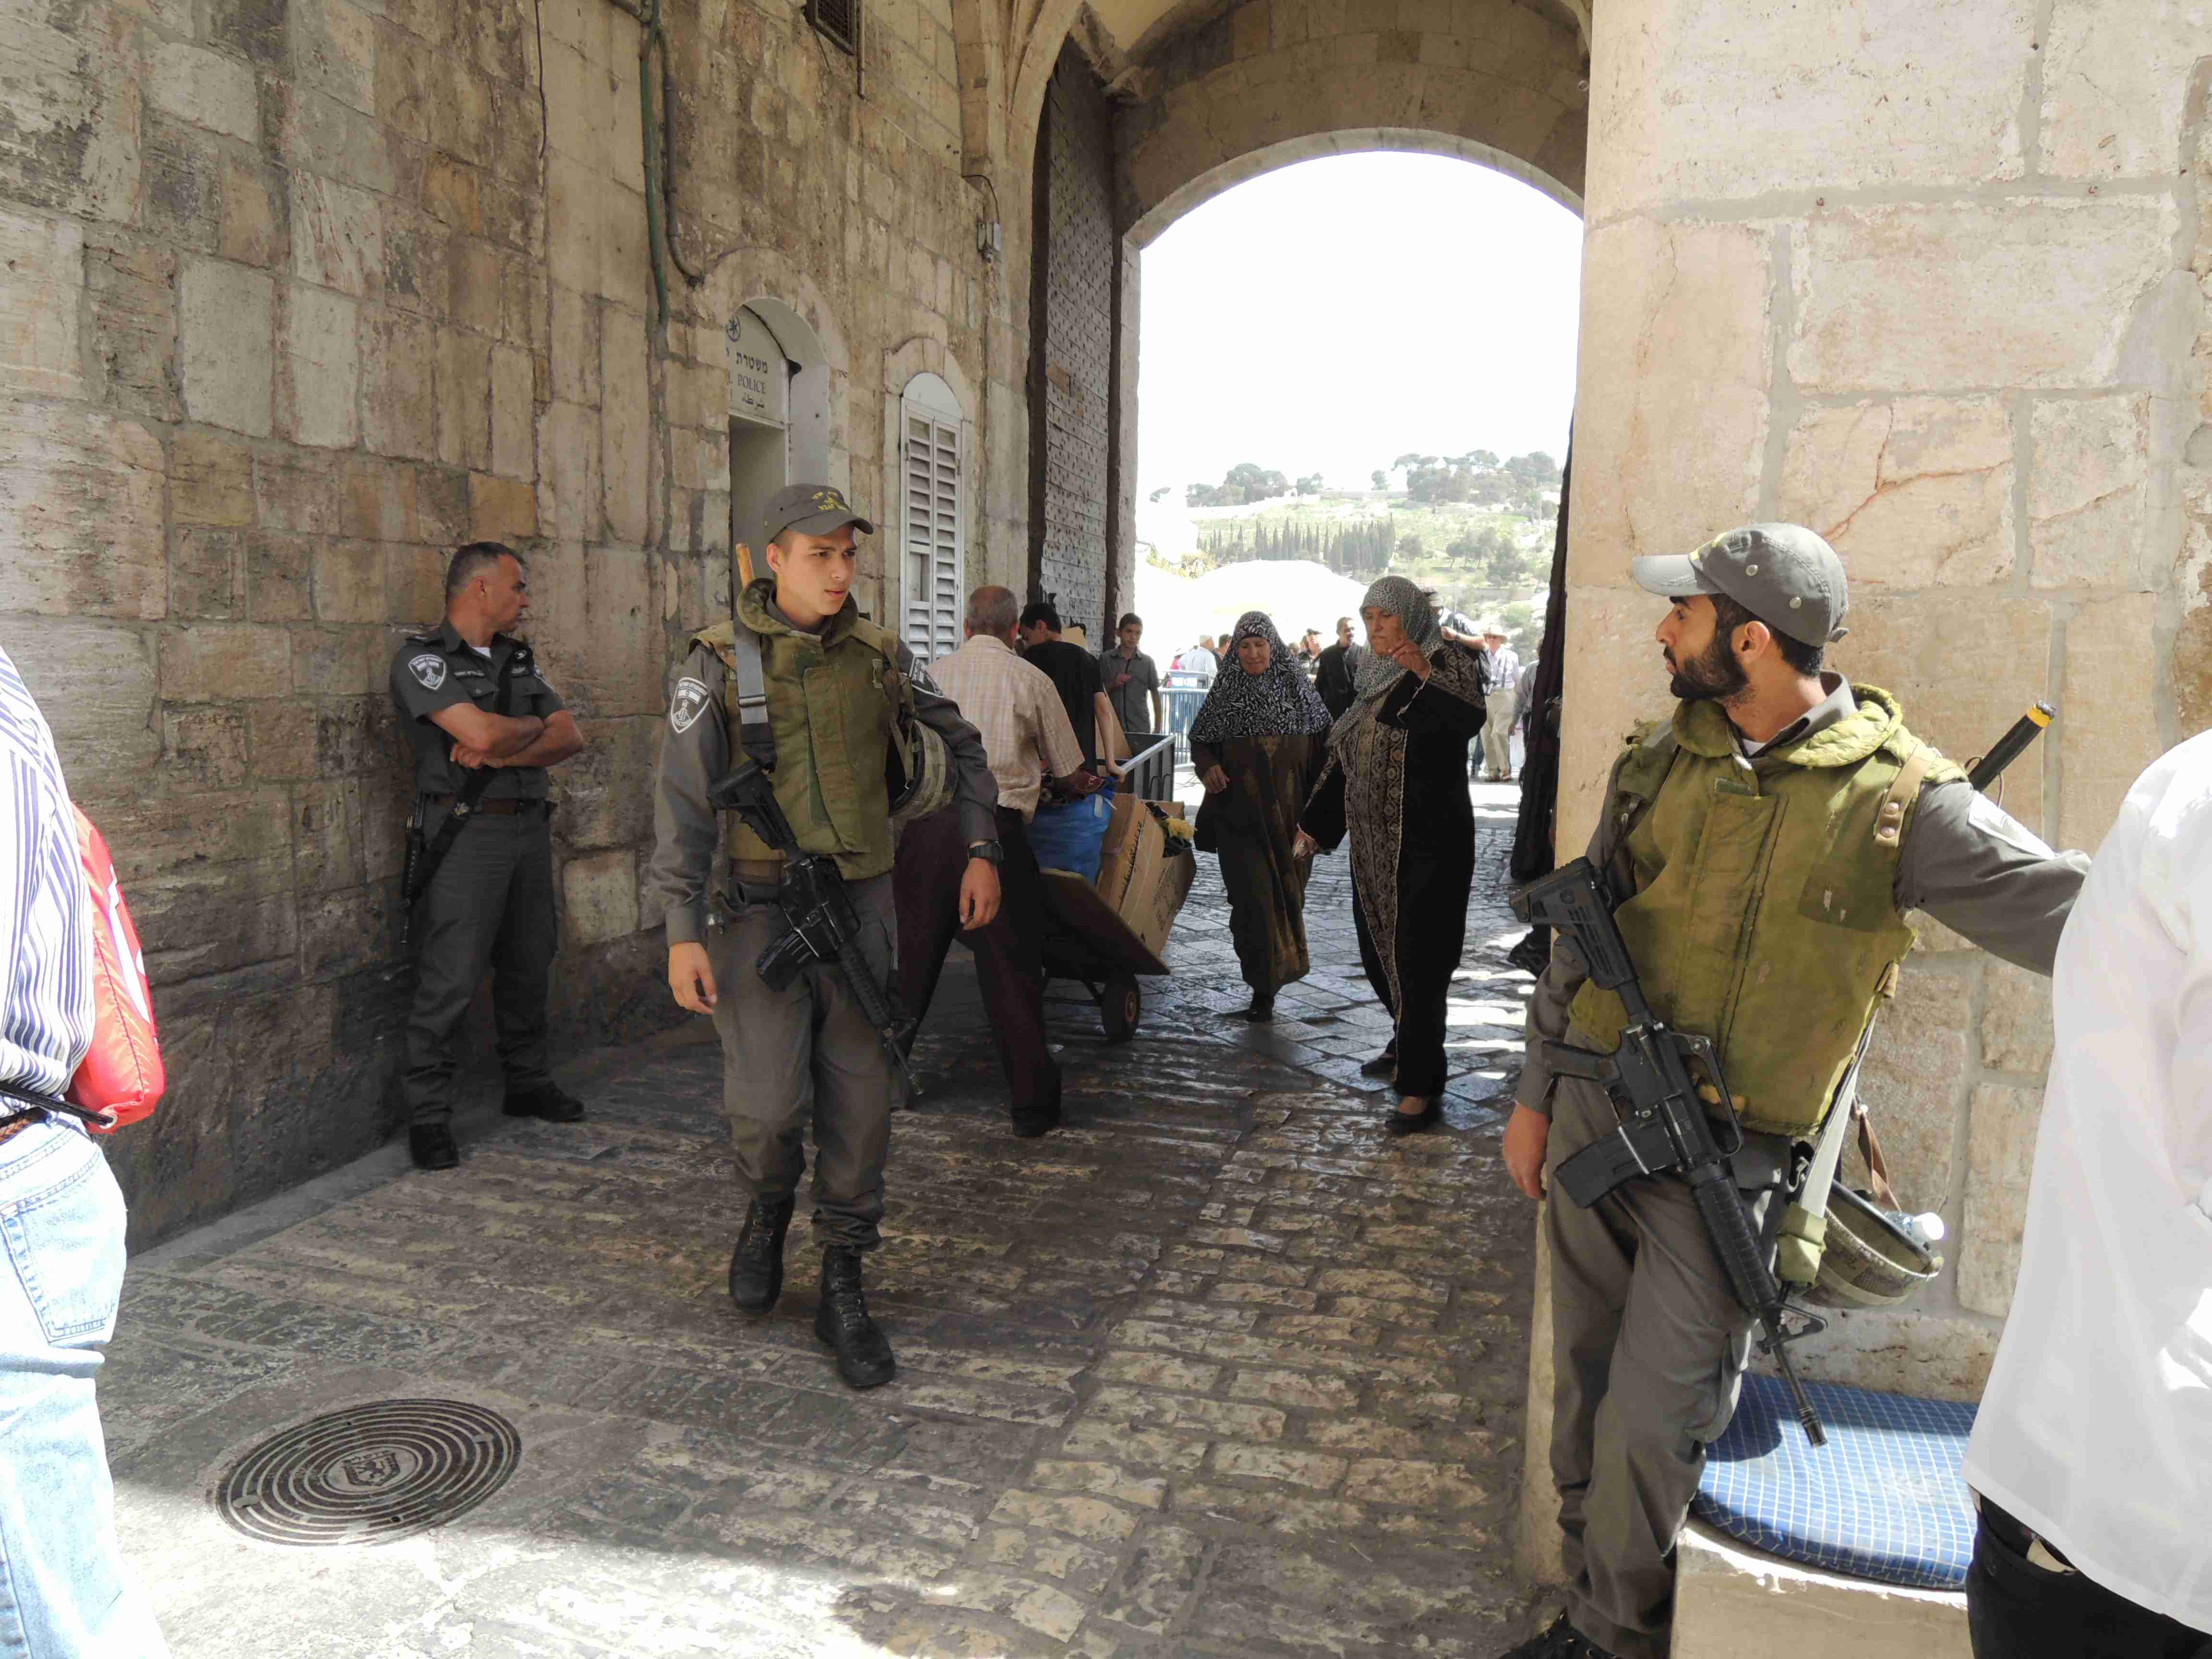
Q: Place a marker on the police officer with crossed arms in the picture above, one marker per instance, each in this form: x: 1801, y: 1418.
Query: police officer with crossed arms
x: 485, y: 725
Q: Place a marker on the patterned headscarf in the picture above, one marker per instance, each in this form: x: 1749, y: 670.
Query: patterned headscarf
x: 1278, y: 701
x: 1394, y: 596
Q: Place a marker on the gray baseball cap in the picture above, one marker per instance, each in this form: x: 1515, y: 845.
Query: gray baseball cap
x: 810, y: 509
x: 1784, y: 573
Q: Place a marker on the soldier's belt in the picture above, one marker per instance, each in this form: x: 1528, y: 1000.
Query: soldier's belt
x: 757, y: 872
x: 506, y: 808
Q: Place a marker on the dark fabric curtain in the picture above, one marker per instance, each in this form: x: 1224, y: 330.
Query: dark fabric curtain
x: 1533, y: 854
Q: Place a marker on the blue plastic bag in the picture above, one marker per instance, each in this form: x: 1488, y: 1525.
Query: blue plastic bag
x: 1070, y: 835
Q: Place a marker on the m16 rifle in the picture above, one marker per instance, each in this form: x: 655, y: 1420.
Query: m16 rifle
x: 1663, y: 1082
x: 822, y: 925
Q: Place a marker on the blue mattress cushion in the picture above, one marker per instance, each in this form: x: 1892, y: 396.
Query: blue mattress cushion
x: 1883, y: 1499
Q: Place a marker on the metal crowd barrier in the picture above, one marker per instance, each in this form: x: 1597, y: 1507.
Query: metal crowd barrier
x: 1149, y: 772
x: 1182, y: 703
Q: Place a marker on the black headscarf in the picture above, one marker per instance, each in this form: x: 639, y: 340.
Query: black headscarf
x: 1278, y: 701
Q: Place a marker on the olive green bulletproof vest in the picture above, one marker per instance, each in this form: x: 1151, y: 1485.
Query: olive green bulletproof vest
x: 833, y: 701
x: 1763, y: 915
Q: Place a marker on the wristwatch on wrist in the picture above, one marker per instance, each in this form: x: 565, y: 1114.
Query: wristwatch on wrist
x: 989, y: 851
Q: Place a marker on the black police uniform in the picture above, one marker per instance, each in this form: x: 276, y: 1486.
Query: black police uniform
x: 491, y: 902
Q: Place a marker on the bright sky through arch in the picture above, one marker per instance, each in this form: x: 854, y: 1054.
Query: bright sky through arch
x: 1331, y: 316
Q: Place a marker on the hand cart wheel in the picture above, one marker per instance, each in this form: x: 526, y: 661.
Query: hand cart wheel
x: 1121, y: 1006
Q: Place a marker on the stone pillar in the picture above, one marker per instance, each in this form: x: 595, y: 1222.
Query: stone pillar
x: 1920, y: 276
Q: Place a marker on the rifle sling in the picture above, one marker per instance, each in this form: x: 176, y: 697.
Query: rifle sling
x: 464, y: 799
x: 754, y: 734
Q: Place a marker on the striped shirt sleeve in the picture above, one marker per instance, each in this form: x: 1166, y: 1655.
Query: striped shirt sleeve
x: 46, y: 922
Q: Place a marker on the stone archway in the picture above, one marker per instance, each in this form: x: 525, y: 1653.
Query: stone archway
x: 1264, y: 85
x: 1356, y: 140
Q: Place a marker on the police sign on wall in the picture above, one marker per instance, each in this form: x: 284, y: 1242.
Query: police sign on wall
x: 760, y: 377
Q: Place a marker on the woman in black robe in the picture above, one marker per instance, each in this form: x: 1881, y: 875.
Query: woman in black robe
x: 1258, y: 745
x: 1396, y: 784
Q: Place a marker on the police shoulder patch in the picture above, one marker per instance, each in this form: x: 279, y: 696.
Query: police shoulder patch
x: 430, y: 668
x: 689, y: 702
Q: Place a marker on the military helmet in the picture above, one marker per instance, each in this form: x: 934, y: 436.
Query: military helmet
x: 1867, y: 1260
x: 919, y: 770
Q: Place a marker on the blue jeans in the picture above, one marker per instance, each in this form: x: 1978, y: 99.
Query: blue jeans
x: 62, y: 1594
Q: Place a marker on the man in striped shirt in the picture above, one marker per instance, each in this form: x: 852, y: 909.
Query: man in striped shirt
x: 62, y: 1592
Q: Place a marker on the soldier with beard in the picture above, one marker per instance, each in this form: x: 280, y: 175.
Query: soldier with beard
x: 1764, y: 845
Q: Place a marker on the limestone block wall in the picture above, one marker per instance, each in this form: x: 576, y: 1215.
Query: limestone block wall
x: 1931, y: 280
x: 295, y: 295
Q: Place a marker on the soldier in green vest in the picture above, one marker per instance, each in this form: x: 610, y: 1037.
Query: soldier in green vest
x: 1769, y: 840
x: 837, y: 687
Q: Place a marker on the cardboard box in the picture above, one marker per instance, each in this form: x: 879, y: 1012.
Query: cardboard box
x: 1119, y: 840
x: 1134, y: 846
x: 1171, y: 879
x: 1138, y: 876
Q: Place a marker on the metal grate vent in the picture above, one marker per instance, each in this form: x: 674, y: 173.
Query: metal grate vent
x: 371, y: 1473
x: 838, y: 21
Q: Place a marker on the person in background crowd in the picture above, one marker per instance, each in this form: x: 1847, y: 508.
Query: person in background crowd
x: 1132, y: 679
x: 2093, y: 1449
x: 1394, y: 783
x: 1309, y: 651
x: 1258, y: 745
x: 1025, y: 733
x: 1524, y: 697
x: 1334, y: 670
x: 1504, y: 674
x: 62, y: 1594
x: 1073, y: 673
x: 1200, y: 659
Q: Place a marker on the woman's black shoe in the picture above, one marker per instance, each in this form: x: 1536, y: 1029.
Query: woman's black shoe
x: 1383, y: 1064
x: 1261, y: 1011
x: 1412, y: 1123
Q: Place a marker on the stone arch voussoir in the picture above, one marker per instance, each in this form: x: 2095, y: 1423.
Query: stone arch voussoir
x: 1351, y: 141
x: 1265, y: 85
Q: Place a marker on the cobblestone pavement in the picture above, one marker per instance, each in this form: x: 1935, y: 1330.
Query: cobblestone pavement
x: 1217, y: 1370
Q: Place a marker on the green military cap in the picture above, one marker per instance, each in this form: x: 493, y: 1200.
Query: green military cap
x: 810, y: 509
x: 1785, y: 574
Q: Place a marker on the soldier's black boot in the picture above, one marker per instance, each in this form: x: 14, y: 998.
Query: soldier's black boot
x: 431, y: 1145
x: 864, y: 1354
x: 548, y: 1100
x: 756, y: 1265
x: 1560, y: 1641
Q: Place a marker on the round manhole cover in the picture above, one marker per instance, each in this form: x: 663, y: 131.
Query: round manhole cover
x: 370, y: 1474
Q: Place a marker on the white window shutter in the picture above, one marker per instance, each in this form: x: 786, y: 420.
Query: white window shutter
x: 930, y: 532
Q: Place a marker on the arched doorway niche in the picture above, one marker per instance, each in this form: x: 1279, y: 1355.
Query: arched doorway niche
x: 784, y: 420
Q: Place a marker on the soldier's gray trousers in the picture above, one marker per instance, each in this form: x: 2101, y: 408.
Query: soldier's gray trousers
x: 805, y: 1055
x: 491, y: 906
x: 1648, y: 1349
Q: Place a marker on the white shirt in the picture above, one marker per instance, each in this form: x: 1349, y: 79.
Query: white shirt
x: 1504, y: 668
x: 2096, y: 1430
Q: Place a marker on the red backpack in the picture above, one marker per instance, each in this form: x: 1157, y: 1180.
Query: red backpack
x: 121, y: 1078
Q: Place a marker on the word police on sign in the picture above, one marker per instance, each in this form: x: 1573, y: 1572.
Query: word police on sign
x: 760, y: 376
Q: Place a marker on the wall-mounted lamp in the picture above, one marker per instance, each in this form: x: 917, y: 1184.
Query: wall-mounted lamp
x: 990, y: 240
